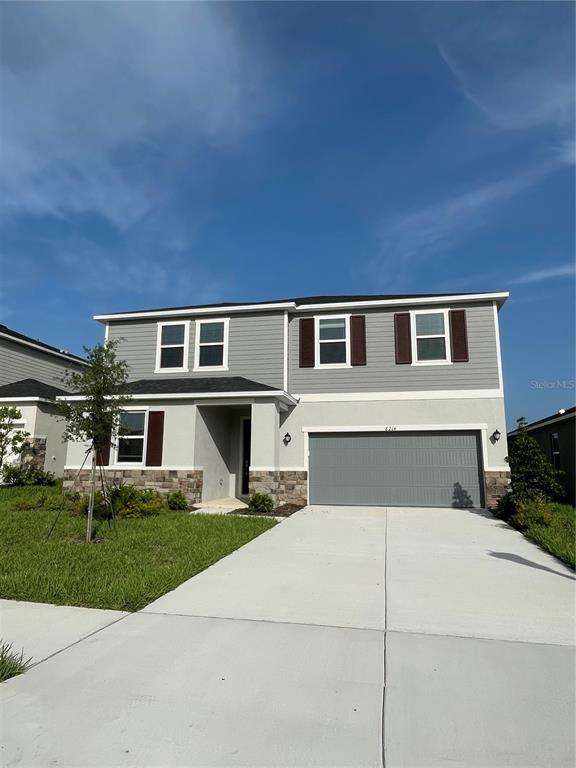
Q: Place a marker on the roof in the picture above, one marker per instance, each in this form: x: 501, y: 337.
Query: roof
x: 193, y: 386
x: 304, y: 302
x: 569, y: 413
x: 29, y: 341
x: 30, y: 388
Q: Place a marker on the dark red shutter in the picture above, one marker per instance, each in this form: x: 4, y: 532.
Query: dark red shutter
x: 402, y: 338
x: 155, y: 439
x: 358, y: 339
x: 307, y: 342
x: 103, y: 456
x: 458, y: 336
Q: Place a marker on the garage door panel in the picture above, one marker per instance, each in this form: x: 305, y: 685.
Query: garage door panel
x: 396, y: 469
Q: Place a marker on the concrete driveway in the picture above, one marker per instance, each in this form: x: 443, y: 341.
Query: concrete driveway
x: 275, y: 656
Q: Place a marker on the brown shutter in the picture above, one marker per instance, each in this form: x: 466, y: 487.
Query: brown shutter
x: 358, y: 339
x: 458, y: 336
x: 402, y: 338
x: 307, y: 342
x: 103, y: 456
x: 155, y: 439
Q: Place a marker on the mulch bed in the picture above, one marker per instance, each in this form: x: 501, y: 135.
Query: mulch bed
x: 284, y: 510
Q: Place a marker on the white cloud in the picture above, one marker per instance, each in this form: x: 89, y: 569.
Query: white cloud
x: 548, y: 273
x: 101, y: 100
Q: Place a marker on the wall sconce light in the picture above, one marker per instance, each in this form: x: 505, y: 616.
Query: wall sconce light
x: 287, y: 438
x: 496, y: 435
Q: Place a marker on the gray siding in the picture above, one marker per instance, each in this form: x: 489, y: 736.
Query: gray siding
x: 255, y: 348
x: 18, y: 362
x: 381, y: 374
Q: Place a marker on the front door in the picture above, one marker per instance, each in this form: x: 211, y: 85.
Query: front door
x: 246, y: 438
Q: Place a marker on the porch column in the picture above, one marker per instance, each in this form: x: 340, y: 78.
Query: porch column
x: 265, y: 426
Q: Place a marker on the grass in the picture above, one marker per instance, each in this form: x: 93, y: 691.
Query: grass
x: 128, y: 567
x: 551, y: 526
x: 11, y: 663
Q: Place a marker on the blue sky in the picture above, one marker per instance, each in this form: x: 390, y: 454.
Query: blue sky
x: 165, y: 154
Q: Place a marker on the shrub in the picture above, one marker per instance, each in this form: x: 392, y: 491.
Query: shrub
x: 532, y: 475
x: 26, y: 475
x: 261, y: 504
x: 537, y: 511
x: 129, y: 501
x: 177, y: 501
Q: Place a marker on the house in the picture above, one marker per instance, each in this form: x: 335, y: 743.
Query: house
x: 556, y: 435
x: 31, y: 374
x: 376, y: 400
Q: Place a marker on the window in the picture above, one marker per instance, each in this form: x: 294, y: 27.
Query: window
x: 333, y: 341
x: 131, y: 434
x: 555, y: 448
x: 172, y: 347
x: 430, y: 337
x: 211, y: 351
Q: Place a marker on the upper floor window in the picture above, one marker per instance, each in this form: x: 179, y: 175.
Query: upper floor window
x: 555, y: 449
x: 430, y: 339
x: 131, y: 437
x: 333, y: 341
x: 211, y: 348
x: 172, y: 346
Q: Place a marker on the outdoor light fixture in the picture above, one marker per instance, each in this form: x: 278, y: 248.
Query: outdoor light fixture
x: 496, y: 435
x: 287, y: 438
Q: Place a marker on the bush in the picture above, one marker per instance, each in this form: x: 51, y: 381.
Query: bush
x: 532, y: 476
x: 26, y: 475
x: 260, y: 504
x: 177, y: 501
x: 11, y: 663
x: 129, y: 501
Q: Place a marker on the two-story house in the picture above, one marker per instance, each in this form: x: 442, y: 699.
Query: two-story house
x: 368, y: 400
x: 31, y: 375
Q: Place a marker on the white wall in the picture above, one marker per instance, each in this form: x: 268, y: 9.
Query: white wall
x: 212, y: 451
x: 51, y: 426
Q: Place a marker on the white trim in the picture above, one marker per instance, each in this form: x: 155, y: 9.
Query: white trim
x: 292, y: 305
x: 26, y: 400
x: 277, y: 469
x: 446, y: 336
x: 275, y: 394
x: 285, y: 373
x: 160, y: 346
x: 114, y: 442
x: 63, y: 355
x: 187, y: 311
x: 318, y: 341
x: 198, y: 344
x: 498, y: 351
x: 399, y: 428
x: 106, y: 332
x: 441, y: 394
x: 144, y: 467
x: 497, y: 469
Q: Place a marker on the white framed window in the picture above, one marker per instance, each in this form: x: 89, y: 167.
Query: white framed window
x: 430, y: 337
x: 332, y: 339
x: 211, y: 345
x: 172, y: 346
x: 130, y: 443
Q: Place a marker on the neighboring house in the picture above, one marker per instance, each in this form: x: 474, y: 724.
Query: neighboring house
x: 379, y: 400
x: 31, y: 374
x: 556, y: 436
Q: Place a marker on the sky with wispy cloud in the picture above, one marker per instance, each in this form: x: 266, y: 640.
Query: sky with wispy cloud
x: 157, y: 154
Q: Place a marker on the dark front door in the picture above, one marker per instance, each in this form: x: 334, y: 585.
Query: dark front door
x: 246, y: 437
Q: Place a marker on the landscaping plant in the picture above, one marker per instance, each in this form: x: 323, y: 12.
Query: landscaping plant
x: 11, y: 663
x: 261, y: 504
x: 11, y: 440
x: 177, y: 501
x: 95, y: 418
x: 26, y: 475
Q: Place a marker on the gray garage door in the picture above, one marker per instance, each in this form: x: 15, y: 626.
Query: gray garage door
x: 412, y: 469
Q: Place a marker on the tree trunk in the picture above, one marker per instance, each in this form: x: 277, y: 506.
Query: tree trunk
x: 91, y: 500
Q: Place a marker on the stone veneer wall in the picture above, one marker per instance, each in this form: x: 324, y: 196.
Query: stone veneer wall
x: 34, y: 453
x: 496, y: 485
x: 188, y: 481
x: 285, y: 486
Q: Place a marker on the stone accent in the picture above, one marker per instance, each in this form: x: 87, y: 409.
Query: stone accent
x: 285, y: 486
x: 34, y: 453
x: 188, y: 481
x: 496, y: 485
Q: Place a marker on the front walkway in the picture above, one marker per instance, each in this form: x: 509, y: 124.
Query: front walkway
x: 275, y: 656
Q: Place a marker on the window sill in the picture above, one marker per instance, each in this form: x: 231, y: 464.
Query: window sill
x: 171, y: 370
x: 432, y: 362
x: 321, y: 366
x: 210, y: 368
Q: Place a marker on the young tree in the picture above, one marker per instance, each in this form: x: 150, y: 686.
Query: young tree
x: 11, y: 440
x: 531, y: 472
x: 94, y: 418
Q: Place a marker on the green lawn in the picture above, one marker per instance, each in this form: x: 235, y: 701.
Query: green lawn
x: 130, y: 566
